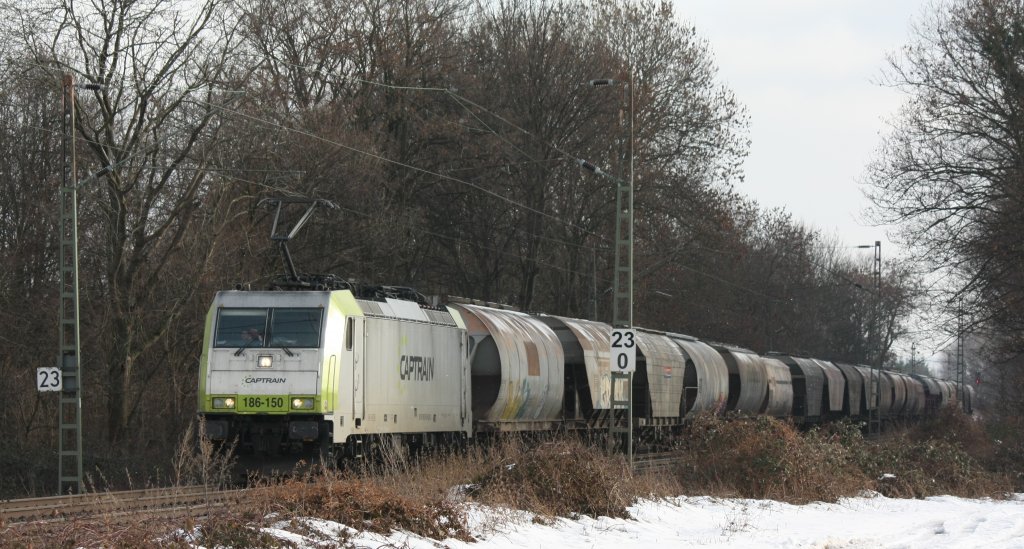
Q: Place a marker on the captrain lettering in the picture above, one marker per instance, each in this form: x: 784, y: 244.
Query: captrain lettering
x: 249, y: 380
x: 416, y: 368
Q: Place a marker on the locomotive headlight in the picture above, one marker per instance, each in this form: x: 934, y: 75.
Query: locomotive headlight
x: 221, y: 402
x: 302, y: 403
x: 265, y: 361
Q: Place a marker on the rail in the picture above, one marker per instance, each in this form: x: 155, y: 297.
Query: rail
x: 171, y: 501
x: 152, y: 500
x: 654, y: 462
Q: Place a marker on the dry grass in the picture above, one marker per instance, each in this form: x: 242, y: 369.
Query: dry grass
x: 198, y: 461
x: 364, y: 504
x: 760, y: 458
x: 100, y: 532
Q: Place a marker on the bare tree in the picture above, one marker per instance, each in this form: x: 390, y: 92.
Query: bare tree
x: 951, y: 173
x: 149, y: 129
x: 29, y: 167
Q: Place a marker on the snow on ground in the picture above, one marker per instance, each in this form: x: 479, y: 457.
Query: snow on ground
x: 876, y: 521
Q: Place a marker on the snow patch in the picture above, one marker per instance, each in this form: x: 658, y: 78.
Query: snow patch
x: 867, y: 521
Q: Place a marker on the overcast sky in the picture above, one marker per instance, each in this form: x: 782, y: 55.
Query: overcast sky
x: 808, y: 72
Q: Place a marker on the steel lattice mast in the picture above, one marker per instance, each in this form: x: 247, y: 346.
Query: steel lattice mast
x: 69, y: 437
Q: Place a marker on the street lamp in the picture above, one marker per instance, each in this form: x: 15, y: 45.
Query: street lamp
x: 874, y: 420
x: 623, y: 338
x: 622, y: 317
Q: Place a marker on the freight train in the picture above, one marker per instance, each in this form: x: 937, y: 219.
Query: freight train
x: 321, y: 365
x: 286, y: 372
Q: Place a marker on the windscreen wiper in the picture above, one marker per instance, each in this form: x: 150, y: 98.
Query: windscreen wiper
x: 245, y: 346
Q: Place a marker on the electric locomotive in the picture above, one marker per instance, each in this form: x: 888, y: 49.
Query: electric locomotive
x: 288, y: 372
x: 318, y: 365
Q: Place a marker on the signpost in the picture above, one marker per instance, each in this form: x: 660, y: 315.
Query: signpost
x: 623, y: 350
x: 49, y: 379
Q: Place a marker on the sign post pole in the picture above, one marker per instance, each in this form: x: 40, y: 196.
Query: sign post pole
x: 623, y: 364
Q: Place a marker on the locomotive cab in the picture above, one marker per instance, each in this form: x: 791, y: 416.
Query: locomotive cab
x: 267, y: 368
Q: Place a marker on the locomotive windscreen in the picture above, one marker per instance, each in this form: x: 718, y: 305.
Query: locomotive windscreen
x: 277, y: 327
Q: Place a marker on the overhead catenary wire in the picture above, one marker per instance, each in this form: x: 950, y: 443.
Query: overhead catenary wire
x: 299, y: 172
x: 581, y: 246
x: 288, y: 172
x: 604, y: 281
x: 463, y: 101
x: 399, y: 163
x: 403, y: 164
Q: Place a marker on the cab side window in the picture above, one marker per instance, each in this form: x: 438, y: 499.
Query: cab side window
x: 350, y: 332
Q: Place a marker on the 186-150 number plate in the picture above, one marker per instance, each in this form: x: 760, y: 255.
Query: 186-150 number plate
x: 262, y: 403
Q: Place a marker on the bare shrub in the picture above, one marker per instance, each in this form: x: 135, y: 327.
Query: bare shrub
x: 765, y: 458
x: 557, y: 478
x: 947, y: 454
x: 928, y: 468
x: 959, y: 429
x: 1008, y: 455
x: 768, y: 458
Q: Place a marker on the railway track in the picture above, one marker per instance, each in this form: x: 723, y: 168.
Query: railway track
x: 656, y: 461
x: 155, y: 501
x: 181, y: 500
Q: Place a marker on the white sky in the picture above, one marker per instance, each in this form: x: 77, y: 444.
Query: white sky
x: 808, y: 72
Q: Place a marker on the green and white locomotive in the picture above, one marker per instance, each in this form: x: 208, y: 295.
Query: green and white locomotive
x: 284, y: 371
x: 320, y: 364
